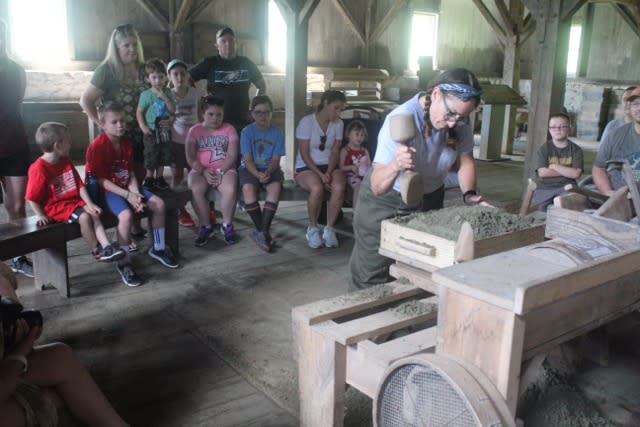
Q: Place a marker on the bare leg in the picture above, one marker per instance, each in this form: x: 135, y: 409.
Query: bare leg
x: 125, y: 218
x: 87, y: 231
x: 159, y: 171
x: 156, y: 204
x: 178, y: 176
x: 311, y: 183
x: 338, y: 182
x: 356, y: 190
x: 228, y: 189
x: 55, y: 365
x: 14, y: 190
x: 199, y: 187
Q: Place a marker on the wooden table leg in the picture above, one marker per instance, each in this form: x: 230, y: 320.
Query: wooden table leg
x: 321, y: 377
x: 50, y: 268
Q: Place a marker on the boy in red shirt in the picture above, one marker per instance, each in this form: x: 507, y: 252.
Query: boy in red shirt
x: 110, y: 159
x: 56, y: 192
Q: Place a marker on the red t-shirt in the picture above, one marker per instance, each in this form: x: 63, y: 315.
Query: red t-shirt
x: 354, y: 157
x: 55, y: 187
x: 108, y: 163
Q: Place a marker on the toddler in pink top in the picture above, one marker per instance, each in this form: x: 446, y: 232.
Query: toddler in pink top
x: 212, y: 152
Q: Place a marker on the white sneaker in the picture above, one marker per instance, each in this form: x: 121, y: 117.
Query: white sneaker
x: 329, y: 237
x: 313, y: 237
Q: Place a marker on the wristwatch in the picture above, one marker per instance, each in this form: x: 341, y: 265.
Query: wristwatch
x: 20, y: 359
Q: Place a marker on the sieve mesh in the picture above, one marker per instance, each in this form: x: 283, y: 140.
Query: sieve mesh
x: 418, y: 396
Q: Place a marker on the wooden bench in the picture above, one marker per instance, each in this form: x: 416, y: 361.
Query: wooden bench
x: 48, y: 244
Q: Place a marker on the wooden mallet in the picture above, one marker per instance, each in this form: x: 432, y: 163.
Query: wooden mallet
x: 403, y: 130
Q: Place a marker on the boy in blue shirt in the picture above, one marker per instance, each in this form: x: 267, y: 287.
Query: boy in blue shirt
x: 155, y: 109
x: 261, y: 146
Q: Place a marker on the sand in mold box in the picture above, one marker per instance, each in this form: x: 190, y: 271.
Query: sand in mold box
x: 431, y: 240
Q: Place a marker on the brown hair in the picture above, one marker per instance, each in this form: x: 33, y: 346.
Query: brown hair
x: 48, y: 134
x: 329, y: 96
x: 354, y: 125
x: 155, y: 65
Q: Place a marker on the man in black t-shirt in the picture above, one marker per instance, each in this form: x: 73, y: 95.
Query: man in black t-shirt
x: 229, y: 77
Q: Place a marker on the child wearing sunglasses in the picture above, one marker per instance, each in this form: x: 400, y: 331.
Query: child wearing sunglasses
x: 319, y: 138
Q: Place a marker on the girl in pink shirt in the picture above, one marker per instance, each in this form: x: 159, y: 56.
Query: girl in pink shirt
x: 212, y: 152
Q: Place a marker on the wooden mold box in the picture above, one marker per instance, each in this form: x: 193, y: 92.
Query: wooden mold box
x: 430, y: 252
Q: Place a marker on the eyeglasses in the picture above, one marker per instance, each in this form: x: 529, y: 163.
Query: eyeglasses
x: 559, y: 127
x: 323, y: 142
x: 634, y: 104
x: 262, y: 112
x: 450, y: 115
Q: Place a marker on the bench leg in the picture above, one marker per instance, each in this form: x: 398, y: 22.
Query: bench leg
x: 321, y: 377
x: 50, y: 268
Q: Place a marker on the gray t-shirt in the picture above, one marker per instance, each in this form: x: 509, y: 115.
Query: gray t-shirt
x: 622, y: 143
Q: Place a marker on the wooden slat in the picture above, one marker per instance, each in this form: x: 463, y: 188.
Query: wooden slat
x: 377, y: 324
x: 414, y: 275
x: 567, y: 224
x: 355, y: 302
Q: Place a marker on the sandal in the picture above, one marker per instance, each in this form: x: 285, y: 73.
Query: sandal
x: 132, y: 247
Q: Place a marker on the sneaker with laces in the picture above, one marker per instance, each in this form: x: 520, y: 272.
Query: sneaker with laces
x: 129, y: 276
x: 22, y: 265
x: 184, y: 219
x: 109, y: 253
x: 260, y: 240
x: 161, y: 184
x: 164, y: 256
x: 329, y: 237
x: 229, y: 235
x: 313, y: 237
x: 204, y: 234
x: 149, y: 183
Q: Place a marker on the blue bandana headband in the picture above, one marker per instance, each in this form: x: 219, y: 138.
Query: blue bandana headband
x: 461, y: 90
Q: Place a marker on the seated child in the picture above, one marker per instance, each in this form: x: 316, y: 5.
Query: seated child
x: 261, y: 146
x: 110, y: 159
x: 187, y: 98
x: 56, y: 192
x: 557, y: 163
x: 354, y: 157
x: 212, y: 152
x: 155, y: 108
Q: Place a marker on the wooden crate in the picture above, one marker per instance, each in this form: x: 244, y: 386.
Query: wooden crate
x: 430, y: 252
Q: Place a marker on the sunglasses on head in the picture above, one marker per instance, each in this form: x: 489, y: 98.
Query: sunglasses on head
x: 323, y: 142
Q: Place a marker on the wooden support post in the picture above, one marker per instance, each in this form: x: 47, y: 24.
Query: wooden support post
x: 491, y: 134
x: 548, y: 73
x: 50, y: 268
x: 321, y: 389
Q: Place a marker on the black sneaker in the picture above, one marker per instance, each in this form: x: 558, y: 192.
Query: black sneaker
x: 204, y: 233
x: 149, y: 183
x: 109, y: 253
x: 164, y: 256
x: 22, y: 265
x: 260, y: 240
x: 129, y: 277
x: 161, y: 184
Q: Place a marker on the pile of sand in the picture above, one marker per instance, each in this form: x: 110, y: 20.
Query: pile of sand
x: 486, y: 222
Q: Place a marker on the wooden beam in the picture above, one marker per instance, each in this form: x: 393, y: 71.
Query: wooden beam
x: 628, y: 17
x: 486, y: 13
x: 285, y: 7
x: 386, y: 20
x: 527, y: 31
x: 155, y: 13
x: 349, y: 17
x: 197, y: 10
x: 181, y: 16
x: 367, y: 32
x: 509, y: 24
x: 570, y: 7
x: 307, y: 11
